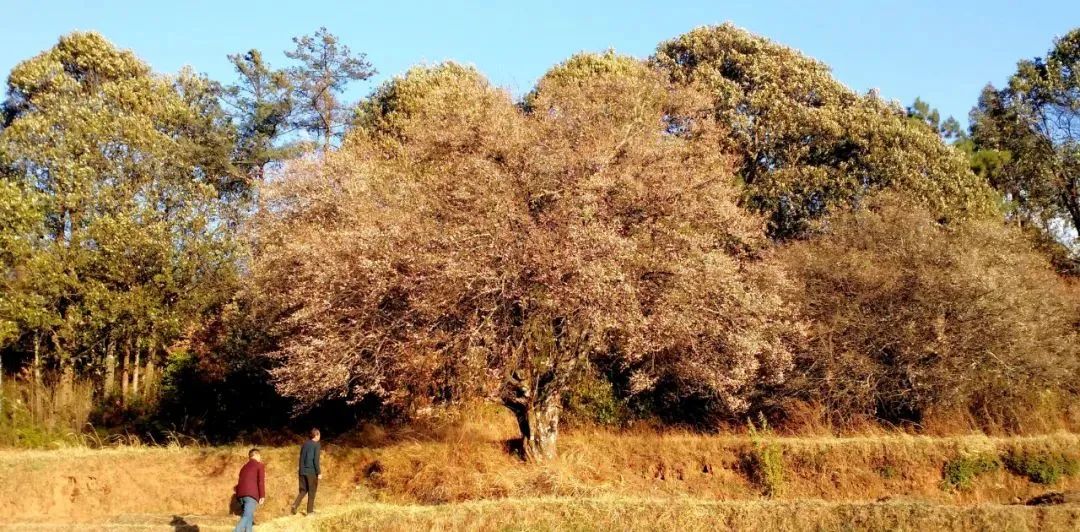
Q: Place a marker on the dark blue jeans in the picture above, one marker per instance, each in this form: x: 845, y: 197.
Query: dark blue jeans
x: 247, y: 521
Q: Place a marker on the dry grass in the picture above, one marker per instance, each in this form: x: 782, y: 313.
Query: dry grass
x: 711, y: 467
x: 44, y: 416
x: 466, y: 470
x: 613, y: 513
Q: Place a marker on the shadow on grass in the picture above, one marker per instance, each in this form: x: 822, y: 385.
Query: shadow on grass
x: 181, y: 524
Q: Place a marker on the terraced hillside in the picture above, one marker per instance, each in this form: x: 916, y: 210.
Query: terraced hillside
x: 601, y: 481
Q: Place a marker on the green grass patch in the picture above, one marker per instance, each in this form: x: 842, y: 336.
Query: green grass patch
x: 1042, y: 467
x: 960, y: 472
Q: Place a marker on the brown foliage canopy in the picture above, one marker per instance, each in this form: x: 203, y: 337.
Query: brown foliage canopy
x: 458, y: 237
x: 911, y: 317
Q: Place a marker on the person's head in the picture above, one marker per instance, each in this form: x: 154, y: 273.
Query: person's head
x: 255, y: 455
x: 315, y: 435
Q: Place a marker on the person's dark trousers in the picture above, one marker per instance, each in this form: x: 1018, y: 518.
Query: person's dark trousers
x: 309, y: 484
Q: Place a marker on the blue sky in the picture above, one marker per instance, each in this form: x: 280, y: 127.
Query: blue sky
x: 944, y: 51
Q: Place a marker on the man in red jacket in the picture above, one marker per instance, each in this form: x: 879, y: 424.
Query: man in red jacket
x: 251, y: 489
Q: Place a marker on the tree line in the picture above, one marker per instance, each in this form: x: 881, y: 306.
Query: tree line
x: 718, y: 230
x: 123, y: 189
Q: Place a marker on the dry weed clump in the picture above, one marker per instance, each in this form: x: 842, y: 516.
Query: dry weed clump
x: 36, y: 415
x: 765, y: 461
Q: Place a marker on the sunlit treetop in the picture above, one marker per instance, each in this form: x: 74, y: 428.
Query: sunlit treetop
x: 806, y: 143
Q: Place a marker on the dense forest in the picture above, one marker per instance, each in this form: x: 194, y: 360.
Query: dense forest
x: 721, y: 231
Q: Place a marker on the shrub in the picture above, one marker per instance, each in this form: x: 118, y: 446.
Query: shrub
x: 959, y: 473
x: 592, y: 399
x: 910, y: 316
x: 1043, y: 467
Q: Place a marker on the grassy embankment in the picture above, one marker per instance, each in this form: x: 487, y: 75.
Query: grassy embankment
x: 466, y: 479
x: 621, y: 513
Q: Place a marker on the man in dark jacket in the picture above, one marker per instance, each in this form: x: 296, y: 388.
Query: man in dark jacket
x: 251, y: 489
x: 310, y: 473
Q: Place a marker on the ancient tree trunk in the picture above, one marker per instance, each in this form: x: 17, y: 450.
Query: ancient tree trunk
x: 536, y: 408
x: 539, y: 431
x: 549, y: 354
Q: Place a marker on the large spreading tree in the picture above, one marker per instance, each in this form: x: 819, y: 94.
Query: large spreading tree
x: 458, y: 246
